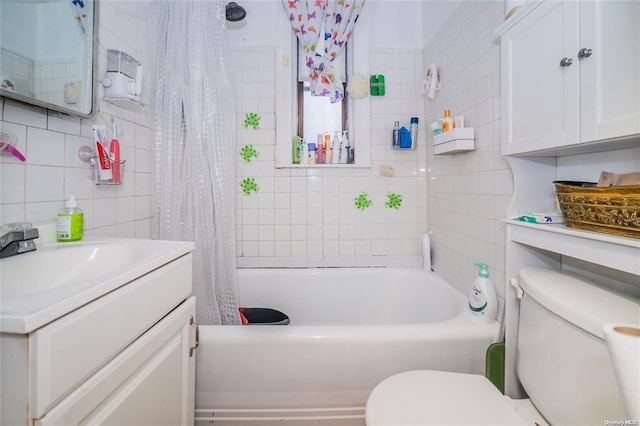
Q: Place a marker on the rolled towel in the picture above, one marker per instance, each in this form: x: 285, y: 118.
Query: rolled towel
x: 608, y: 179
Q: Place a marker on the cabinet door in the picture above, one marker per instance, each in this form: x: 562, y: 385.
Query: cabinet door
x: 609, y: 69
x: 540, y: 96
x: 152, y: 382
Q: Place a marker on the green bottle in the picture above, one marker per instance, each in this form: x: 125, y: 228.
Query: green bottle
x: 70, y: 221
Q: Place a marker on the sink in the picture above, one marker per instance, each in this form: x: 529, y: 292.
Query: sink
x: 64, y: 265
x: 39, y: 286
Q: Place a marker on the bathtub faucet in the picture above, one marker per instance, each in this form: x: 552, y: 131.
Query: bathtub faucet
x: 17, y: 238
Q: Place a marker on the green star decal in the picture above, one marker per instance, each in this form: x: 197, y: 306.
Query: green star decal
x: 248, y: 152
x: 248, y: 186
x: 394, y: 201
x: 251, y: 120
x: 363, y: 201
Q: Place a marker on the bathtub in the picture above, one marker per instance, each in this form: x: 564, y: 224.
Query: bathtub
x: 350, y: 329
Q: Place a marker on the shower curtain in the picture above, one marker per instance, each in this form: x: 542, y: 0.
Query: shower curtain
x: 194, y: 149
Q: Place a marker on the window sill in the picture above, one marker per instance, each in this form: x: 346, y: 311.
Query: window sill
x: 323, y: 166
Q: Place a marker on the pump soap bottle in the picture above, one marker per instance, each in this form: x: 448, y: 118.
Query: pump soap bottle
x: 483, y: 302
x: 70, y: 223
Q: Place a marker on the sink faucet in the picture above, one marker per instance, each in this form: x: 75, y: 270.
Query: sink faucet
x: 17, y: 238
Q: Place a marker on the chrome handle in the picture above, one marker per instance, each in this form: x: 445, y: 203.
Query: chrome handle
x: 585, y: 53
x: 192, y: 349
x: 566, y: 62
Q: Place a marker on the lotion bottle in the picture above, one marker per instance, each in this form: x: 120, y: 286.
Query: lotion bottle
x: 70, y: 223
x: 483, y: 302
x: 447, y: 121
x: 336, y: 145
x: 413, y: 129
x: 346, y: 148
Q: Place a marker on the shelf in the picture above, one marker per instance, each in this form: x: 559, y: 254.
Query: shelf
x: 323, y: 166
x: 602, y: 249
x: 455, y: 140
x: 124, y: 102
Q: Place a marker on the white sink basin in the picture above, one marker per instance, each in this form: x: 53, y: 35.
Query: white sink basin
x: 39, y: 286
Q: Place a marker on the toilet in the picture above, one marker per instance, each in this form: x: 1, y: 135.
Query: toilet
x: 562, y: 362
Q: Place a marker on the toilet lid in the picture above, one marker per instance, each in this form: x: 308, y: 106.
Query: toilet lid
x: 427, y: 397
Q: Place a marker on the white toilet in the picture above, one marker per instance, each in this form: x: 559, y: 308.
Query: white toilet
x: 562, y: 362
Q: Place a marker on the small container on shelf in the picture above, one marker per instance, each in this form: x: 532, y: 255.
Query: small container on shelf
x: 610, y: 210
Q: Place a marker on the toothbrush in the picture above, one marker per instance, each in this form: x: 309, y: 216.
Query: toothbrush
x: 114, y: 155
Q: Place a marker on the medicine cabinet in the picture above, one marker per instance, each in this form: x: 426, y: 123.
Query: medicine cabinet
x: 47, y: 53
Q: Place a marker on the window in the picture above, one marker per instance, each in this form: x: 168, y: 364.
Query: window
x: 354, y: 115
x: 316, y: 114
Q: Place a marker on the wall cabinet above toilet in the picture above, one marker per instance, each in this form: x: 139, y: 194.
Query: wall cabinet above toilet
x: 570, y: 74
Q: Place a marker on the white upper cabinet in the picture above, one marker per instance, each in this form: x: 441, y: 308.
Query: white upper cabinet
x: 570, y: 74
x: 609, y: 58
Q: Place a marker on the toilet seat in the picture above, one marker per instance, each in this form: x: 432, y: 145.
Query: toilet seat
x: 426, y: 397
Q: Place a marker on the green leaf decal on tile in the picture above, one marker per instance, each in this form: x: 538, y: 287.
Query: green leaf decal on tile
x: 248, y: 152
x: 394, y: 201
x: 363, y: 201
x: 248, y: 186
x: 251, y: 120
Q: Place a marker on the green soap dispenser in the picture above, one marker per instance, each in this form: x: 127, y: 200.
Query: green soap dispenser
x: 70, y: 221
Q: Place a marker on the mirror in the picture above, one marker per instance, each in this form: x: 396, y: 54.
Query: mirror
x: 47, y: 53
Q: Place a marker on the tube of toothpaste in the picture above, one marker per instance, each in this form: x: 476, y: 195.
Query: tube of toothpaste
x: 102, y: 152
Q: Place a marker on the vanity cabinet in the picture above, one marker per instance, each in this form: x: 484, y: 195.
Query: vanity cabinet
x: 125, y: 358
x: 570, y: 74
x: 149, y: 383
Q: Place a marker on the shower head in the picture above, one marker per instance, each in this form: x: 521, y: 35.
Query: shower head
x: 235, y: 12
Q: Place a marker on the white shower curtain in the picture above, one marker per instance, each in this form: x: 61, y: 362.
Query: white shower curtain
x: 194, y: 149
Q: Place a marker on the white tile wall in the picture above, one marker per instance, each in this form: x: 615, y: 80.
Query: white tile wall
x: 307, y: 217
x: 468, y: 193
x: 35, y: 190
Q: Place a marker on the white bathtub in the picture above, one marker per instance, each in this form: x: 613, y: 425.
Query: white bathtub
x: 350, y: 328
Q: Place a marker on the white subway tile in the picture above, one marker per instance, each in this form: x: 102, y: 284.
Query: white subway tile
x: 143, y: 208
x: 12, y: 213
x: 266, y: 233
x: 19, y: 113
x: 63, y: 123
x: 250, y: 232
x: 143, y: 228
x: 45, y: 147
x: 42, y: 211
x: 44, y: 183
x: 126, y: 209
x: 126, y: 230
x: 77, y: 182
x: 12, y: 183
x: 250, y: 248
x: 105, y: 213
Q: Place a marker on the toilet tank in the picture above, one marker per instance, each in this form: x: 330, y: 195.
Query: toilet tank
x: 562, y: 359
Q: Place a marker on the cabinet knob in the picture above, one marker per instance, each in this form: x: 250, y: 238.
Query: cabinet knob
x: 585, y: 53
x: 566, y: 62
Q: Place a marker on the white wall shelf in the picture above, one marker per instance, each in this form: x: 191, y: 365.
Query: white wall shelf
x: 324, y: 166
x: 614, y: 252
x: 453, y: 141
x: 124, y: 103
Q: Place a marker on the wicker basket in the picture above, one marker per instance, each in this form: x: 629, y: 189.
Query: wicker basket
x: 614, y: 210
